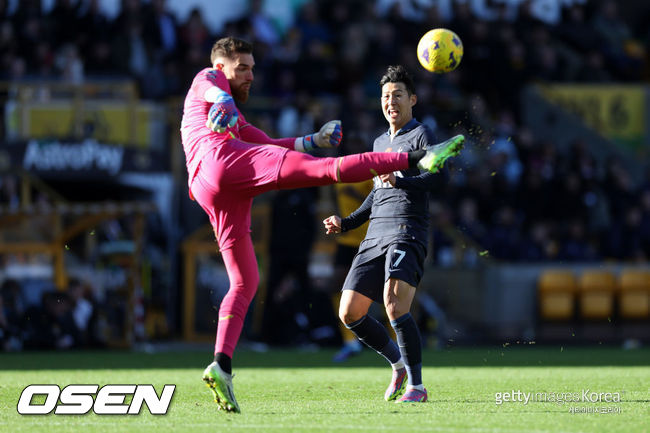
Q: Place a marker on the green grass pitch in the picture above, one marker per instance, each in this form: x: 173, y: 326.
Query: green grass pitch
x: 293, y: 391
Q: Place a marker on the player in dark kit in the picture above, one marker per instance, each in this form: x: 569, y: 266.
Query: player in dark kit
x: 389, y: 264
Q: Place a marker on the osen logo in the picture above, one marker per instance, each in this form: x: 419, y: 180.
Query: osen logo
x: 109, y: 400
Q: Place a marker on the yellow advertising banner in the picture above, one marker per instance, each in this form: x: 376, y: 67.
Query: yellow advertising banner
x: 615, y: 111
x: 108, y: 122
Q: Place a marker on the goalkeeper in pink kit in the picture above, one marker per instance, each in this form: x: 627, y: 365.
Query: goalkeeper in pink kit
x: 229, y: 162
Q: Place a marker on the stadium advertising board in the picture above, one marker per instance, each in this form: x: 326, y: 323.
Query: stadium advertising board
x: 83, y: 159
x: 615, y: 111
x: 139, y: 125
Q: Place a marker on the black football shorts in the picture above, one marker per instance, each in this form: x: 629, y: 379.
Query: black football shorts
x: 379, y: 259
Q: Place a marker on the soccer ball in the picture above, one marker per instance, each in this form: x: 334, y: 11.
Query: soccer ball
x: 440, y: 51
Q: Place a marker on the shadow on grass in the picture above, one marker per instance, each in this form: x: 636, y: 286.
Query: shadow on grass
x: 519, y: 356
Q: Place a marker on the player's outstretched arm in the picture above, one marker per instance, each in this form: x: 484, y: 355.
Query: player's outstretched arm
x: 329, y: 135
x: 332, y: 224
x: 359, y: 216
x: 251, y: 134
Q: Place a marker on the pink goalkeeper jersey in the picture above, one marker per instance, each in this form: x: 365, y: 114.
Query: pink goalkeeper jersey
x: 198, y: 139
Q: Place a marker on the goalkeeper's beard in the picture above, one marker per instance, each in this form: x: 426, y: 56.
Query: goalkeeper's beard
x: 240, y: 94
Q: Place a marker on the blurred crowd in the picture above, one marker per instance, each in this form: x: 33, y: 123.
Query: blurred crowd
x: 510, y: 196
x: 528, y: 202
x: 56, y: 320
x: 330, y: 49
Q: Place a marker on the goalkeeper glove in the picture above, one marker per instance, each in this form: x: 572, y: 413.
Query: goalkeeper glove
x: 223, y: 113
x: 329, y: 136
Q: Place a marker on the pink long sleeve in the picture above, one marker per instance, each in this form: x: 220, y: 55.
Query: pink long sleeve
x: 251, y: 134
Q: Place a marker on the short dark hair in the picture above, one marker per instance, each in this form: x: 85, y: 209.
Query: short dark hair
x: 227, y: 47
x: 398, y: 74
